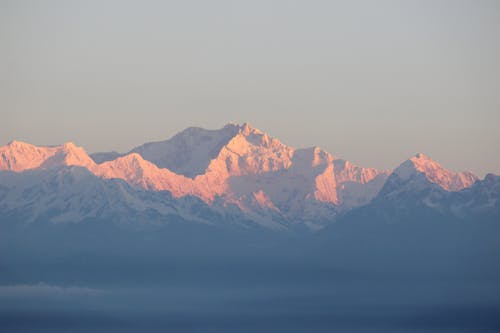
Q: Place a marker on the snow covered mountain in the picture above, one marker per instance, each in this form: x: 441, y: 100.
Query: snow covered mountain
x: 234, y: 171
x: 422, y: 166
x: 73, y: 194
x: 420, y: 190
x: 481, y: 201
x: 19, y: 156
x: 189, y: 152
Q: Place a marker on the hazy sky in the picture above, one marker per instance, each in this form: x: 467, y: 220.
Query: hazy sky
x: 370, y: 81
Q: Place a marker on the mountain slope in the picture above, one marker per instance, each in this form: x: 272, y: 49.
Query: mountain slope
x: 434, y: 173
x: 481, y: 201
x: 421, y: 190
x: 102, y: 157
x: 189, y: 152
x: 73, y: 194
x: 143, y: 174
x: 242, y: 170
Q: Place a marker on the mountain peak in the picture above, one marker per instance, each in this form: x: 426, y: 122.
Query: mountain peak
x: 15, y: 144
x: 246, y: 129
x: 69, y: 154
x: 424, y: 163
x: 133, y: 159
x: 19, y: 156
x: 189, y: 152
x: 231, y: 126
x: 421, y: 156
x: 434, y: 173
x: 70, y: 145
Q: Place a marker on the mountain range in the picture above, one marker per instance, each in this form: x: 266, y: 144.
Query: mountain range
x: 235, y: 176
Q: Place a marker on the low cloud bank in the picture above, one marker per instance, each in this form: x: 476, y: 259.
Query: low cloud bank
x: 42, y: 290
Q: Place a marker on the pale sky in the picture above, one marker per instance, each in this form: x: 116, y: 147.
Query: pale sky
x: 373, y: 82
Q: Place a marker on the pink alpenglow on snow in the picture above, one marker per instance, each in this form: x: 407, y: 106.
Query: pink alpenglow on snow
x: 240, y: 165
x: 435, y: 173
